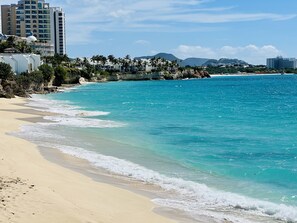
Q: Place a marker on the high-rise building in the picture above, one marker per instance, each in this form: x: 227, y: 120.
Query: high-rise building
x: 38, y: 18
x: 58, y: 30
x: 281, y: 63
x: 8, y: 19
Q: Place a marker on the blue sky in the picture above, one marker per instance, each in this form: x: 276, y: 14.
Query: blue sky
x: 245, y: 29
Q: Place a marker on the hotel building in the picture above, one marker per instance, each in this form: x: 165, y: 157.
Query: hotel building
x: 281, y: 63
x: 35, y: 17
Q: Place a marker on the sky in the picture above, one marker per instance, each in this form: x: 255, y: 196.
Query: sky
x: 251, y: 30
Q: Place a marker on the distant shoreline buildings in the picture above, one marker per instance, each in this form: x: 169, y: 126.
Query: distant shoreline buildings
x: 279, y: 63
x: 37, y: 18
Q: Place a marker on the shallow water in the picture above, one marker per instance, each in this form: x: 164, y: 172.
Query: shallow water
x: 225, y: 147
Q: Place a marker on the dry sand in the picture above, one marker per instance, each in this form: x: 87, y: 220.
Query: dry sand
x: 34, y: 190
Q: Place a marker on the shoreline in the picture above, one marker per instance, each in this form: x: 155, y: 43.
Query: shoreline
x: 34, y: 189
x: 84, y: 166
x: 246, y: 74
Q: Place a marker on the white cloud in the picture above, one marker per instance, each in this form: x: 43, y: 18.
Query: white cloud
x: 250, y: 53
x: 150, y: 15
x: 87, y: 17
x: 185, y: 51
x: 142, y: 42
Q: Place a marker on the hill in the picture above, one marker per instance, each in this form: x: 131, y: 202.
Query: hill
x: 224, y: 62
x: 166, y: 56
x: 194, y: 62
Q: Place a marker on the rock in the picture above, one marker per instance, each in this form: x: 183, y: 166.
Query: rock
x: 8, y: 91
x: 2, y: 92
x: 81, y: 80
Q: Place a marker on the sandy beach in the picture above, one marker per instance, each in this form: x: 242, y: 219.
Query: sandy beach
x: 33, y: 189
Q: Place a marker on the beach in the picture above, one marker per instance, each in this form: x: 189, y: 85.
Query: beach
x: 33, y: 189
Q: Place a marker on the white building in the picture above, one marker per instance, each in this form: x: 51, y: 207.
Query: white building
x: 21, y: 62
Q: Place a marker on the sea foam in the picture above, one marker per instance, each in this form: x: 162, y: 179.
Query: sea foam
x: 65, y: 107
x: 64, y: 113
x: 192, y: 197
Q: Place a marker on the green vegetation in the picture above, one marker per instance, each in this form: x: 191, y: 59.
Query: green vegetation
x: 5, y: 71
x: 60, y: 75
x: 48, y: 72
x: 19, y: 46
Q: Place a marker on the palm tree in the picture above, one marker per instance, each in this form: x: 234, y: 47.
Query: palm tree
x: 23, y: 47
x: 85, y: 62
x: 78, y: 62
x: 111, y: 58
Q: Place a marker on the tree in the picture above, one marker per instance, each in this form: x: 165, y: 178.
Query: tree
x: 47, y: 72
x: 23, y: 47
x: 111, y: 58
x: 5, y: 71
x: 60, y: 75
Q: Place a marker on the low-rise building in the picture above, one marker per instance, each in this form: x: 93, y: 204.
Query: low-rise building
x: 45, y: 49
x: 21, y: 62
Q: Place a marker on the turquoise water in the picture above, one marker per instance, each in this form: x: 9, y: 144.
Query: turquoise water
x: 232, y: 134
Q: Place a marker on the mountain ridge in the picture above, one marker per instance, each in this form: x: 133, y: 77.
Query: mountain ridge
x: 193, y: 61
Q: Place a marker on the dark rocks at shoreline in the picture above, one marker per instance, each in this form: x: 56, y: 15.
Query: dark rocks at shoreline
x: 11, y: 88
x: 6, y: 90
x: 189, y: 73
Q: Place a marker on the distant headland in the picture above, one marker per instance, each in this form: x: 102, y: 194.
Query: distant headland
x: 43, y: 74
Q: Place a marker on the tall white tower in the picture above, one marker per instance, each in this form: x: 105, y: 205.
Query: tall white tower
x: 58, y: 37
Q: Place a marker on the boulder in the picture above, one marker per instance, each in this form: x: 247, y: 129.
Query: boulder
x: 81, y: 80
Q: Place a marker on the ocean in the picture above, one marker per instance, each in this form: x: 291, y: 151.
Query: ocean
x: 224, y: 147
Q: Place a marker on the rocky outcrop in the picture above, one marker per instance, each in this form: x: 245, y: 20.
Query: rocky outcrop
x: 188, y: 73
x: 81, y: 80
x: 2, y: 92
x: 6, y: 90
x: 191, y: 73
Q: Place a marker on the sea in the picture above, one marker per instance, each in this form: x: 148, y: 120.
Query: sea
x: 224, y: 148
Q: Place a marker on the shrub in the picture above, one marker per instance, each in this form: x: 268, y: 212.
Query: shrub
x: 60, y: 76
x: 47, y: 72
x: 5, y: 71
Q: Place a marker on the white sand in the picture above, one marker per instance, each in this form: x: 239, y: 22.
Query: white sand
x: 34, y: 190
